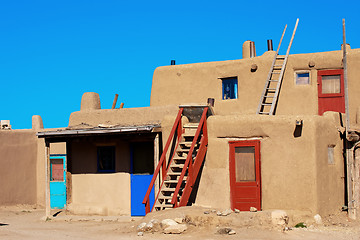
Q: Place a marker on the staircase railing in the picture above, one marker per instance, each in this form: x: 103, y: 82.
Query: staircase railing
x: 175, y: 137
x: 191, y: 166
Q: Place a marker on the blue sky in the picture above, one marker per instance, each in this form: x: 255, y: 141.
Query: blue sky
x: 51, y: 52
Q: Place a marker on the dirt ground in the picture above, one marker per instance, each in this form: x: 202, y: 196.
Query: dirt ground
x: 25, y: 222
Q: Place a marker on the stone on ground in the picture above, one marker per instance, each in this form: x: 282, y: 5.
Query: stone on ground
x: 253, y: 209
x: 279, y: 217
x: 318, y: 219
x: 168, y: 222
x: 175, y: 229
x: 226, y: 212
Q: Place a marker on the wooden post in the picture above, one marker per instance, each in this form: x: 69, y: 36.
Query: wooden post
x: 156, y: 162
x: 47, y: 179
x: 349, y: 157
x: 115, y: 100
x: 121, y: 105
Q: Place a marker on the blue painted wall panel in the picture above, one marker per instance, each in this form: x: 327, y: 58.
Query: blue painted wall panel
x: 139, y: 186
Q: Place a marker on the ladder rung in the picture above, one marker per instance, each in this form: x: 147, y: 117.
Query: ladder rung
x: 275, y: 73
x: 269, y: 96
x: 264, y: 112
x: 266, y: 104
x: 271, y: 88
x: 273, y: 80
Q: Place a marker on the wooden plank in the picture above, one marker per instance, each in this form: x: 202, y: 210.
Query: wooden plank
x: 47, y: 180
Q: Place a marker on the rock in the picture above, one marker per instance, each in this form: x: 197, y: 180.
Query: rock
x: 175, y: 229
x: 224, y: 230
x: 179, y: 220
x: 232, y: 232
x: 279, y: 217
x: 253, y: 209
x: 218, y: 213
x: 318, y: 219
x: 168, y: 222
x: 236, y: 210
x: 206, y: 212
x: 149, y: 226
x: 140, y: 234
x: 226, y: 212
x: 213, y: 211
x: 141, y: 227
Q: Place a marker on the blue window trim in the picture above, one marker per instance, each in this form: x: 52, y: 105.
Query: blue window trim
x: 232, y: 83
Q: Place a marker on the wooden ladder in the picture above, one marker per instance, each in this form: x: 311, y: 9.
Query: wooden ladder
x: 270, y: 94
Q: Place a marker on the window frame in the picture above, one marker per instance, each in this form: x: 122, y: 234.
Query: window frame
x: 114, y: 159
x: 235, y: 88
x: 302, y: 72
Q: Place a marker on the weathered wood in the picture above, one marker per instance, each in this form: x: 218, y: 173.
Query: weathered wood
x: 121, y: 105
x: 68, y: 188
x: 47, y: 180
x: 115, y: 100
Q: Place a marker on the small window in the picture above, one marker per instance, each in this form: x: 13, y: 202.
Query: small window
x: 331, y: 154
x: 302, y: 78
x: 229, y: 88
x: 106, y: 159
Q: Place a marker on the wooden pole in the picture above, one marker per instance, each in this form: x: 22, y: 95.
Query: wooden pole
x: 47, y: 179
x: 349, y: 162
x: 121, y: 105
x: 115, y: 100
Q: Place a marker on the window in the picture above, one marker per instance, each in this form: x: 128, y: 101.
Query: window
x: 331, y: 84
x: 245, y: 164
x: 229, y: 88
x: 106, y: 159
x: 331, y: 154
x: 302, y: 78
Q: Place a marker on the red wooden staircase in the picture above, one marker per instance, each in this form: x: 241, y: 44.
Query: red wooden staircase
x: 178, y: 169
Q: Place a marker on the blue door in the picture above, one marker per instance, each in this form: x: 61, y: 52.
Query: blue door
x: 139, y: 186
x: 57, y: 181
x: 142, y: 169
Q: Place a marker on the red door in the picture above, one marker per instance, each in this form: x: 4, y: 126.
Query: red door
x: 331, y: 91
x: 245, y: 179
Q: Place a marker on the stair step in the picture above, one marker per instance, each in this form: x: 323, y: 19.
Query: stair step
x: 191, y: 125
x: 177, y: 165
x: 165, y: 205
x: 165, y: 197
x: 166, y: 189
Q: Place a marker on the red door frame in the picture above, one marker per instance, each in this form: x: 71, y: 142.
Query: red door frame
x: 331, y: 101
x: 234, y: 193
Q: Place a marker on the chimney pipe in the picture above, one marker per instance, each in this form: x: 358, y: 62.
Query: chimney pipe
x: 172, y: 62
x: 270, y: 45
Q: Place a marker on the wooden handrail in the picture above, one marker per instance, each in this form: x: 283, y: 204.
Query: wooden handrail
x: 162, y: 162
x: 189, y: 164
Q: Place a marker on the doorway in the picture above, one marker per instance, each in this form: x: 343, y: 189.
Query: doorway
x: 142, y: 170
x: 331, y: 95
x: 245, y: 179
x: 58, y: 181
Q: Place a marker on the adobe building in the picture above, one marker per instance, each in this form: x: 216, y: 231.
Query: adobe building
x: 182, y: 150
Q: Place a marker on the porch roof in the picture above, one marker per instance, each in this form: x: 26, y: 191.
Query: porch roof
x: 68, y: 133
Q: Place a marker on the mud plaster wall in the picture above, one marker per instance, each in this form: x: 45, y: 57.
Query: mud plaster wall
x: 194, y: 83
x: 123, y: 117
x: 103, y: 194
x: 99, y: 193
x: 18, y: 151
x: 292, y: 169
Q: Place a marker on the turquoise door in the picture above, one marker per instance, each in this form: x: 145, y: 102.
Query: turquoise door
x: 58, y: 181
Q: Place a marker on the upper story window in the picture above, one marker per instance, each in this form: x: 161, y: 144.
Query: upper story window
x: 302, y: 78
x: 229, y: 88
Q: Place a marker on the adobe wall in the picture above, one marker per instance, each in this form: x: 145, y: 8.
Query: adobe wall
x: 102, y: 194
x: 122, y: 117
x: 194, y: 83
x: 18, y: 150
x: 295, y: 174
